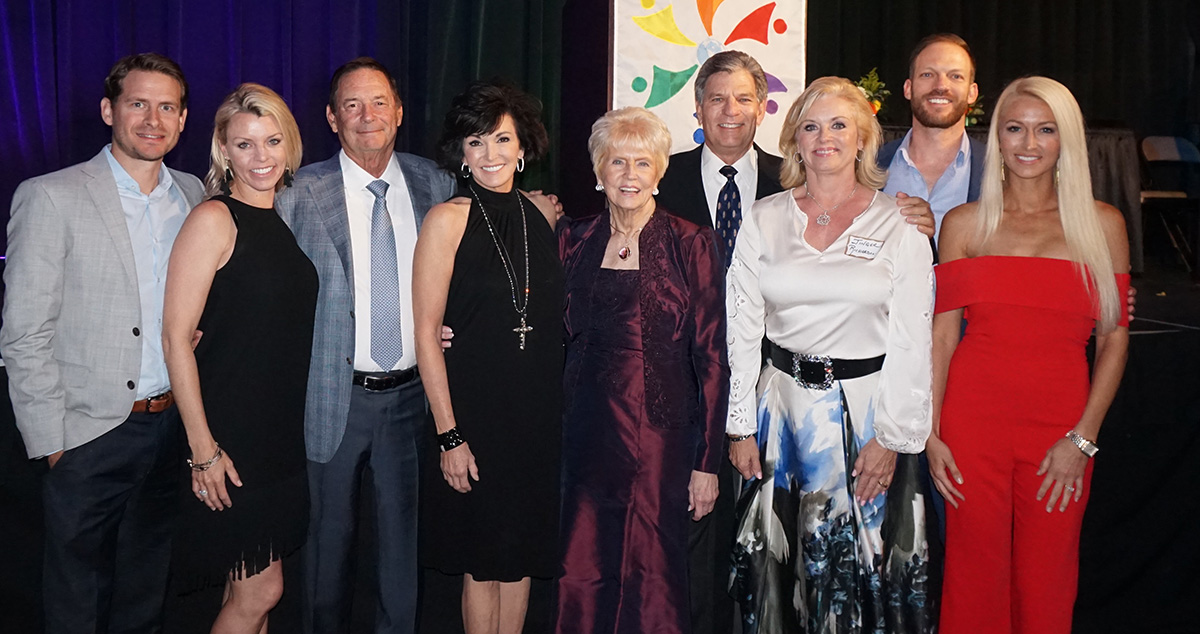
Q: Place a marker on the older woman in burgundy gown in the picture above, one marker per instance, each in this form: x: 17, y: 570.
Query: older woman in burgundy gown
x: 646, y: 383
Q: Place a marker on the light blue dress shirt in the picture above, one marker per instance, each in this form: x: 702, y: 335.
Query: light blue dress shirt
x: 948, y: 192
x: 153, y: 222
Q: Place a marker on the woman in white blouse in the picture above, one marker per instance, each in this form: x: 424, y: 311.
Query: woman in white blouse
x: 831, y: 533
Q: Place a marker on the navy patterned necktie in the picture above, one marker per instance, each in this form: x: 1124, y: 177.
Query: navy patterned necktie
x: 387, y: 343
x: 729, y: 213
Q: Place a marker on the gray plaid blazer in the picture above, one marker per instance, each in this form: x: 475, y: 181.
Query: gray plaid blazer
x: 315, y: 209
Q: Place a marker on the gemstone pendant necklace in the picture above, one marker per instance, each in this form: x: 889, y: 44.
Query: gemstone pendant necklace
x: 823, y: 219
x: 509, y: 269
x: 625, y: 251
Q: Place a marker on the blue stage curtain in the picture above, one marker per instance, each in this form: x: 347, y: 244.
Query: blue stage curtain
x: 56, y: 53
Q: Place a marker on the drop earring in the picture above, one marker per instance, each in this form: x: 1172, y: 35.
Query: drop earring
x: 227, y: 182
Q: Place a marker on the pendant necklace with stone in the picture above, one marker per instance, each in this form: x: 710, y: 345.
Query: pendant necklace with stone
x: 509, y: 269
x: 823, y: 219
x: 630, y: 238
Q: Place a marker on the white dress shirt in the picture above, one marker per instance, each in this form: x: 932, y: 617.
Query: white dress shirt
x: 359, y: 203
x: 746, y: 179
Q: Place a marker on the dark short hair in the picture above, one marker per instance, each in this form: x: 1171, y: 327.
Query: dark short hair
x: 149, y: 62
x: 728, y: 62
x: 359, y: 63
x: 930, y: 40
x: 479, y: 109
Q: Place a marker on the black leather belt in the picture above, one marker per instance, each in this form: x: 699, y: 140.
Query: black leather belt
x: 819, y: 372
x: 380, y: 381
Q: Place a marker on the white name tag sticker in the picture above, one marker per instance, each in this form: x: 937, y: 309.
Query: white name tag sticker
x: 864, y: 248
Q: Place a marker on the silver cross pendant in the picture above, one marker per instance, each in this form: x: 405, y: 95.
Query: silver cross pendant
x: 521, y: 330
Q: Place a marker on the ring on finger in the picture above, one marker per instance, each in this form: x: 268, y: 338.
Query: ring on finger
x: 1070, y: 488
x: 202, y: 492
x: 884, y: 483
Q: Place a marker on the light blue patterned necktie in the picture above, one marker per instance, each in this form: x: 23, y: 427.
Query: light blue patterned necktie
x: 387, y: 343
x: 729, y: 213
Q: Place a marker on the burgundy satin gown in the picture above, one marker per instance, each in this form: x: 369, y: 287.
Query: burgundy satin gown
x: 647, y: 388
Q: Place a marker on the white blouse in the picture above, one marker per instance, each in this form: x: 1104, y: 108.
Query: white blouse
x: 869, y: 293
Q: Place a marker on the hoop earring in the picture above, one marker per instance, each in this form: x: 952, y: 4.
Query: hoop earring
x: 799, y: 159
x: 520, y: 163
x: 465, y: 170
x: 858, y: 156
x: 288, y: 179
x: 599, y: 187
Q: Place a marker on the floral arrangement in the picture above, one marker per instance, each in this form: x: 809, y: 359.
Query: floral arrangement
x: 975, y: 111
x: 873, y: 89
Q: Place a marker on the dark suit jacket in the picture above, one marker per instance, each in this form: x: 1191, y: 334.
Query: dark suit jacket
x: 978, y: 150
x: 681, y: 190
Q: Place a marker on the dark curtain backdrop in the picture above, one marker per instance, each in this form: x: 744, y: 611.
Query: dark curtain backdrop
x: 54, y: 55
x: 1128, y: 62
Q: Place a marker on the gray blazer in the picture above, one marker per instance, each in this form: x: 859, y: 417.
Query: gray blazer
x: 315, y: 209
x: 72, y: 315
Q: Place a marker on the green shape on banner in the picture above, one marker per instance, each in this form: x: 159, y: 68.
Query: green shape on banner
x: 639, y: 84
x: 667, y: 83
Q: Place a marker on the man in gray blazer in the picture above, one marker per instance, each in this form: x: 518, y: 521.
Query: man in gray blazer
x: 87, y: 256
x: 356, y: 216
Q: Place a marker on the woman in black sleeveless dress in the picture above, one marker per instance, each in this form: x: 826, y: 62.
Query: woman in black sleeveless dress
x: 487, y: 265
x: 237, y: 276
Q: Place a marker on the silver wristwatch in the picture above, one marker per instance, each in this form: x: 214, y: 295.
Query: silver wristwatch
x: 1088, y: 447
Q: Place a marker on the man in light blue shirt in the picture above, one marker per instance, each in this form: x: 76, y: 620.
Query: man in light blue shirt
x: 87, y: 254
x: 936, y: 160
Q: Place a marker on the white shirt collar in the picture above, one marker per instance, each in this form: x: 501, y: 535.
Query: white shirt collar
x: 356, y: 179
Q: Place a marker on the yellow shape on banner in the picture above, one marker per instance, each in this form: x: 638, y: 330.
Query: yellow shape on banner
x: 707, y: 9
x: 662, y: 25
x: 646, y: 4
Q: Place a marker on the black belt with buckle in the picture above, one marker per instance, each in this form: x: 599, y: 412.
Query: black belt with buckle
x: 819, y: 372
x: 380, y: 381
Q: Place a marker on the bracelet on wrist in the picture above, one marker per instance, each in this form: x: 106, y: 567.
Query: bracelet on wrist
x: 203, y: 466
x: 450, y: 439
x: 1088, y: 447
x: 741, y: 438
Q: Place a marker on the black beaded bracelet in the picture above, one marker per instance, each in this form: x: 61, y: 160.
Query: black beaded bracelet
x: 450, y: 439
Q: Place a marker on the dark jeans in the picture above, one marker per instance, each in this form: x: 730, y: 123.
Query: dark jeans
x: 110, y: 508
x: 384, y: 432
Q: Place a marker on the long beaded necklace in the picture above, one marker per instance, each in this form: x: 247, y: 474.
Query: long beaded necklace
x: 509, y: 269
x: 823, y: 219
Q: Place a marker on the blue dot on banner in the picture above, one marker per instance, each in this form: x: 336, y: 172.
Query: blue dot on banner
x: 698, y: 135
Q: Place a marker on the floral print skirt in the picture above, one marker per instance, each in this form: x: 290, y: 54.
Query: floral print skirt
x: 808, y: 559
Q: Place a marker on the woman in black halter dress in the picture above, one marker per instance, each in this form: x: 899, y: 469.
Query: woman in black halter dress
x: 237, y: 276
x: 486, y: 265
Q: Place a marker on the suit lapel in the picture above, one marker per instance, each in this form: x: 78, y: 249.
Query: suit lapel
x: 103, y: 191
x: 329, y: 193
x: 420, y: 192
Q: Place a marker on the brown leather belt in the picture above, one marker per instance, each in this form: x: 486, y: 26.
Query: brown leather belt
x: 154, y: 404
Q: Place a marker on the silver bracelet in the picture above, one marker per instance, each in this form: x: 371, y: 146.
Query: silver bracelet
x: 203, y: 466
x: 741, y: 438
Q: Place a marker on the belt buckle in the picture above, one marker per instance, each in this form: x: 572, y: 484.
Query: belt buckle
x: 824, y: 360
x: 374, y: 383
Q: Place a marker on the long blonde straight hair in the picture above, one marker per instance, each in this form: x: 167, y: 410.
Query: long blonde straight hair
x: 1076, y: 206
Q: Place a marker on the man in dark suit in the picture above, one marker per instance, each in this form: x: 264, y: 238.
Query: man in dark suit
x: 87, y: 257
x: 707, y: 185
x: 356, y: 216
x: 731, y: 95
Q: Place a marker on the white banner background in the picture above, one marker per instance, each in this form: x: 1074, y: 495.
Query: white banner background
x: 659, y: 45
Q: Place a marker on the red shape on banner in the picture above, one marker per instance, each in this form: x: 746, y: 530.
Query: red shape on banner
x: 753, y: 26
x: 780, y: 26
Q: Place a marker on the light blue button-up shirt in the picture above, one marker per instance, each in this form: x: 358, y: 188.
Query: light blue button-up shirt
x: 153, y: 222
x: 948, y: 192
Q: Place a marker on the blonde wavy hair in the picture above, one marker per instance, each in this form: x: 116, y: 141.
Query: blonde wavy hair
x: 258, y: 100
x: 792, y: 174
x: 1086, y: 242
